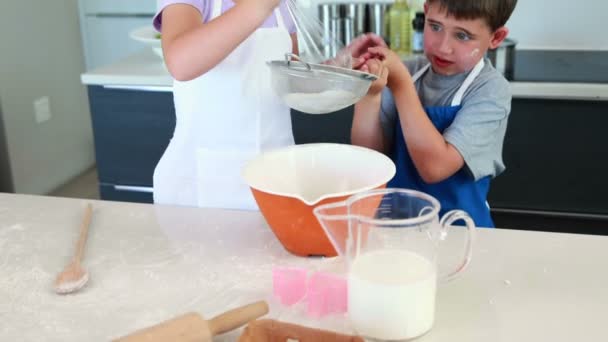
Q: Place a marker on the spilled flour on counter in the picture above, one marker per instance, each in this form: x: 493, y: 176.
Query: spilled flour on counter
x: 320, y: 103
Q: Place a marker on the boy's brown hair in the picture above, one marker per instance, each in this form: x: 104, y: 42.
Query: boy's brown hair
x: 494, y: 12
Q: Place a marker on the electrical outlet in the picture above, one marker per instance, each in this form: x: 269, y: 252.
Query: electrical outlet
x: 42, y: 109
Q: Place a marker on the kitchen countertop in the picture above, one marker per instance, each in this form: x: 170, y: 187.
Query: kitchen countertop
x: 143, y: 69
x: 148, y: 263
x: 146, y: 71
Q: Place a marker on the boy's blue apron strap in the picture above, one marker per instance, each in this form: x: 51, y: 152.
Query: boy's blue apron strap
x: 458, y: 191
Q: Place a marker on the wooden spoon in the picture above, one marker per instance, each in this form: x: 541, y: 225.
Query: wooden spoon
x: 74, y: 276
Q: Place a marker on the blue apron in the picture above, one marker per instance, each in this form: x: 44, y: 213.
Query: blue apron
x: 459, y: 191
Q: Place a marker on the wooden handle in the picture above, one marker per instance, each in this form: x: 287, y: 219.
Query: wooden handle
x: 237, y: 317
x: 190, y: 327
x: 84, y: 231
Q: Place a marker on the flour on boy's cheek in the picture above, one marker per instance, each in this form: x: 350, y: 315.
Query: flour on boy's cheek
x: 474, y: 53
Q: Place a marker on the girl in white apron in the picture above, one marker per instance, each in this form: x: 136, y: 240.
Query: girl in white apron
x: 226, y: 112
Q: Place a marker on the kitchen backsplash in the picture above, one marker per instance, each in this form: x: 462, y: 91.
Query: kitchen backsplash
x: 545, y: 24
x: 561, y: 66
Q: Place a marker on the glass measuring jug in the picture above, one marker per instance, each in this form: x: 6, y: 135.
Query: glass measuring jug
x: 390, y: 240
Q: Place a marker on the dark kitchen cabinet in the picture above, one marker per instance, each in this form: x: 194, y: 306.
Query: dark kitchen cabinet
x: 554, y: 151
x: 131, y: 129
x: 556, y: 161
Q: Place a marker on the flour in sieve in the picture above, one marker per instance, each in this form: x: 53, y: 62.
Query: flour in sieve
x: 319, y: 103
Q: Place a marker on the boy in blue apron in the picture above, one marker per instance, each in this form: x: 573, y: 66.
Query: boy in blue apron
x: 444, y: 126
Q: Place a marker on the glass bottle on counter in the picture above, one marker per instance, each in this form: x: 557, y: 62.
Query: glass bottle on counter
x: 416, y: 6
x: 418, y: 34
x: 399, y: 28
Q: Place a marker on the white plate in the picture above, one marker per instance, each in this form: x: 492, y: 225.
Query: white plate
x: 148, y: 36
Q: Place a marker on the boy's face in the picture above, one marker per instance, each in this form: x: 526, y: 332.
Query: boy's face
x: 455, y: 45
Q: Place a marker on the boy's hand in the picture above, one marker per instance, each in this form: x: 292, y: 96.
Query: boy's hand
x: 376, y: 67
x: 359, y: 46
x: 351, y: 55
x: 397, y: 72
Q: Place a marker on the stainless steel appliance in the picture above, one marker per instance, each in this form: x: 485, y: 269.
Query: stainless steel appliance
x: 503, y: 58
x: 357, y: 13
x: 346, y: 21
x: 378, y: 19
x: 328, y: 14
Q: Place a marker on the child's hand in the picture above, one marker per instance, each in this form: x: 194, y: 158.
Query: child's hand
x: 376, y: 67
x: 397, y: 72
x: 359, y: 46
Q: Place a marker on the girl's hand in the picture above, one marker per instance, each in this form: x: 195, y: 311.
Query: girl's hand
x: 376, y: 67
x: 397, y: 72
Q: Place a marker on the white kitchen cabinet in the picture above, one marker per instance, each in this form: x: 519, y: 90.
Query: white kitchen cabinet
x: 107, y: 39
x: 118, y: 6
x: 105, y: 26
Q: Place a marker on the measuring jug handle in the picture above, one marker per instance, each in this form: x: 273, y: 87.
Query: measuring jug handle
x: 446, y: 222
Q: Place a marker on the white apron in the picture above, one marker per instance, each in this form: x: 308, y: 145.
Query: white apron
x: 223, y: 119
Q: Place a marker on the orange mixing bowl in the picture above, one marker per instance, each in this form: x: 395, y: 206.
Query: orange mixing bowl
x: 288, y: 183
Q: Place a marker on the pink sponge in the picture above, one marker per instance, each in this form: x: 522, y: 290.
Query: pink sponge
x: 327, y: 294
x: 289, y: 284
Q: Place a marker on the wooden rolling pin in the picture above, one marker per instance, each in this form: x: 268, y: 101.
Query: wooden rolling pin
x: 192, y: 327
x: 264, y: 330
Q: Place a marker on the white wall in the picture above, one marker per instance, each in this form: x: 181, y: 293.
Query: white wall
x: 42, y: 56
x: 560, y: 24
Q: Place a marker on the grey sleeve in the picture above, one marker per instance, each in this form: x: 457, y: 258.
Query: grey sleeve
x: 479, y: 128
